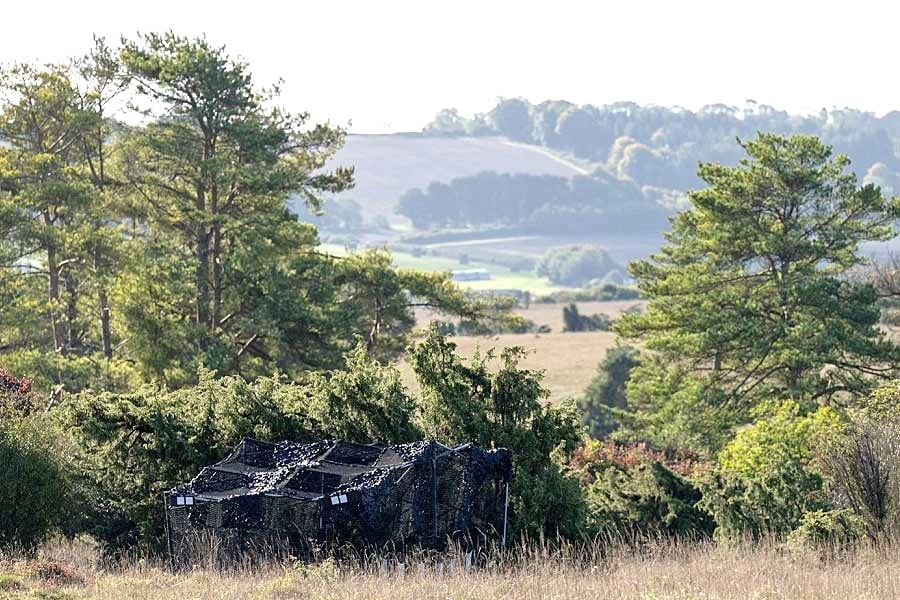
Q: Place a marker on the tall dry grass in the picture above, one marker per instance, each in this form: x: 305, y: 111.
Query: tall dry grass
x: 658, y: 570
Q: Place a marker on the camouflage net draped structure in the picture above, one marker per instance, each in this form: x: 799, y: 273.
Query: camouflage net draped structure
x: 420, y: 494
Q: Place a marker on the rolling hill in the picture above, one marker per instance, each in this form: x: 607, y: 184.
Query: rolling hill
x: 388, y: 165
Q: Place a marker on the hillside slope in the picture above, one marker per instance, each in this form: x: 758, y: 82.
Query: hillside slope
x: 388, y: 165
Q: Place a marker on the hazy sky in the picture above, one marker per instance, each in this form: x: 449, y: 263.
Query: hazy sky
x: 391, y: 65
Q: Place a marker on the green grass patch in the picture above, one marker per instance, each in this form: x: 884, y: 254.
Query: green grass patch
x: 10, y: 583
x: 502, y: 278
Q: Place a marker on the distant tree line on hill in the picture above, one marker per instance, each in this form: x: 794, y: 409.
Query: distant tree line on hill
x: 539, y: 203
x: 661, y: 147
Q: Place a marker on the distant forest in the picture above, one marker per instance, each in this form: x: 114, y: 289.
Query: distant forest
x: 538, y: 203
x: 644, y: 159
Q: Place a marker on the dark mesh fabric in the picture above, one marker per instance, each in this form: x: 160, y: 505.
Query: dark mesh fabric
x: 420, y: 494
x: 353, y: 454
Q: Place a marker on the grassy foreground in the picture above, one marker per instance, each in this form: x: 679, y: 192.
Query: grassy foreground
x: 663, y: 572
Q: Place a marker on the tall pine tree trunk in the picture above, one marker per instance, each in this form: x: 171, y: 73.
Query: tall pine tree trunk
x: 53, y: 292
x: 218, y: 277
x: 202, y: 287
x: 73, y: 335
x: 217, y: 270
x: 105, y: 329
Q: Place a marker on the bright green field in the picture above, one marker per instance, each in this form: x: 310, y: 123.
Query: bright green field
x: 502, y: 278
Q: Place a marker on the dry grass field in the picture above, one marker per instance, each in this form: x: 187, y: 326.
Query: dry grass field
x: 551, y: 314
x: 667, y: 572
x: 569, y: 360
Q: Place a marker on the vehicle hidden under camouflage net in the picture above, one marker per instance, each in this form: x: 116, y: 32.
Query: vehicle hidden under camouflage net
x: 422, y: 494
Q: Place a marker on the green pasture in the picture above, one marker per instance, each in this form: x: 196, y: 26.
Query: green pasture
x: 502, y: 278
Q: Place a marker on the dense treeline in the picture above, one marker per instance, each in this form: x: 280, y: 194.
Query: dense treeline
x: 646, y: 159
x: 535, y: 203
x: 144, y: 245
x: 99, y: 461
x: 660, y: 147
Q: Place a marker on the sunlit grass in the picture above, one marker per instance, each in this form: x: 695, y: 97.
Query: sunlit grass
x: 657, y: 570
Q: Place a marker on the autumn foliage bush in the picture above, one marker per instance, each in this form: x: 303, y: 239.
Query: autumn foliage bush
x: 34, y: 485
x: 632, y: 489
x: 599, y: 453
x: 16, y: 393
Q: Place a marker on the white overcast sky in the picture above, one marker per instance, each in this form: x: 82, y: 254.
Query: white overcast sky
x: 391, y: 65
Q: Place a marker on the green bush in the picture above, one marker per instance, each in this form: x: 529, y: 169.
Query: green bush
x: 366, y: 402
x: 647, y: 499
x: 574, y: 321
x: 135, y: 446
x: 606, y: 392
x: 631, y: 489
x: 35, y: 487
x: 73, y: 373
x: 766, y: 480
x: 483, y: 327
x: 837, y: 527
x: 601, y: 293
x: 506, y: 407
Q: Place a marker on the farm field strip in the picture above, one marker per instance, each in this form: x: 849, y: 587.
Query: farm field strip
x: 569, y: 360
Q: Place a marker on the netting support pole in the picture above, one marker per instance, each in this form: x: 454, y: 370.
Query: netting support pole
x: 322, y: 508
x: 168, y: 532
x: 434, y: 495
x: 505, y: 516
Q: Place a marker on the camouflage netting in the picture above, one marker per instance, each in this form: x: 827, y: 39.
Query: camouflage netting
x: 421, y: 494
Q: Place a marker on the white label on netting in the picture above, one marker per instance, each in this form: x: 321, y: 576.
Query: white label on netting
x: 179, y: 500
x: 188, y: 500
x: 335, y: 500
x: 343, y: 499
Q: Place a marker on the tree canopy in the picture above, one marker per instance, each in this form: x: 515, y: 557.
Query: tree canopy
x: 147, y: 250
x: 750, y: 299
